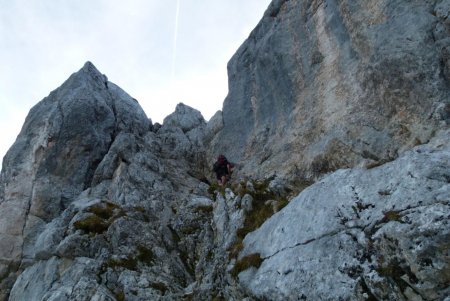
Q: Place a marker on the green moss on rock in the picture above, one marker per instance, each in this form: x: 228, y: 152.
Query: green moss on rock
x: 261, y: 211
x: 145, y: 255
x: 160, y: 287
x: 188, y: 230
x: 92, y: 224
x: 214, y: 188
x: 252, y: 260
x: 120, y: 296
x: 104, y: 210
x: 392, y: 215
x: 204, y: 208
x: 102, y: 215
x: 237, y: 247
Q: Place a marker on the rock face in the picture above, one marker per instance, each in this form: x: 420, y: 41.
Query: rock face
x: 321, y: 85
x: 81, y: 138
x: 116, y: 209
x: 382, y: 232
x: 96, y: 203
x: 185, y: 118
x: 54, y: 158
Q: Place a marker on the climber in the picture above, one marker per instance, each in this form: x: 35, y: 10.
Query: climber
x: 223, y: 170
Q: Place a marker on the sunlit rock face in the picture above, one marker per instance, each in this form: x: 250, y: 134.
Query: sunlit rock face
x: 382, y: 232
x: 347, y: 98
x: 321, y: 85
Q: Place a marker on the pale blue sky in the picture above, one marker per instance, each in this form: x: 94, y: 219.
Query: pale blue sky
x: 42, y: 42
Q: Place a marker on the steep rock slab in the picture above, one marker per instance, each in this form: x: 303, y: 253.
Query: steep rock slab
x: 63, y: 140
x: 325, y: 84
x: 382, y: 232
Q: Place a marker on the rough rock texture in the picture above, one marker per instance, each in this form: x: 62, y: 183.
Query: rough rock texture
x: 88, y: 190
x: 185, y: 117
x: 382, y: 232
x: 96, y: 203
x: 325, y: 84
x: 54, y: 158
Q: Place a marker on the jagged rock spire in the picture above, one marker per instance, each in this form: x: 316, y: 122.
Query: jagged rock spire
x: 184, y: 117
x: 64, y: 138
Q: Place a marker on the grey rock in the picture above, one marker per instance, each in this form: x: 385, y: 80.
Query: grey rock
x: 441, y: 34
x: 36, y: 281
x: 384, y: 229
x: 246, y: 202
x: 55, y: 156
x: 96, y: 203
x: 156, y: 127
x: 322, y: 85
x: 135, y: 218
x: 442, y: 11
x: 58, y: 279
x: 214, y: 125
x: 227, y: 218
x: 201, y: 202
x: 53, y: 132
x: 129, y: 115
x: 185, y: 118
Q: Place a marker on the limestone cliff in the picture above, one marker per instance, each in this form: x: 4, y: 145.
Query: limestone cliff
x: 325, y: 84
x: 97, y: 203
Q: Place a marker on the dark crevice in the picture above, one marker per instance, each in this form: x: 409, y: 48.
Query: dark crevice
x: 305, y: 242
x: 114, y: 109
x: 366, y: 290
x: 394, y: 215
x: 369, y: 230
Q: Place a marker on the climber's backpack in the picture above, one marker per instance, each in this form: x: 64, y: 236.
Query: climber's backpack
x: 220, y: 165
x: 216, y: 166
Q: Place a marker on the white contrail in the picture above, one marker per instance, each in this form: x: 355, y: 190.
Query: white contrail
x: 175, y: 37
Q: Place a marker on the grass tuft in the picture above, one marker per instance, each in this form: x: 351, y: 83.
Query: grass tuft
x: 92, y: 224
x: 145, y: 255
x: 103, y: 210
x: 160, y: 287
x: 252, y: 260
x: 214, y: 188
x: 120, y: 296
x: 261, y: 211
x: 204, y: 208
x: 103, y: 214
x: 392, y: 215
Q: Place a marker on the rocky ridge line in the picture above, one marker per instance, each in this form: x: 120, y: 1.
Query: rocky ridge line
x: 96, y: 203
